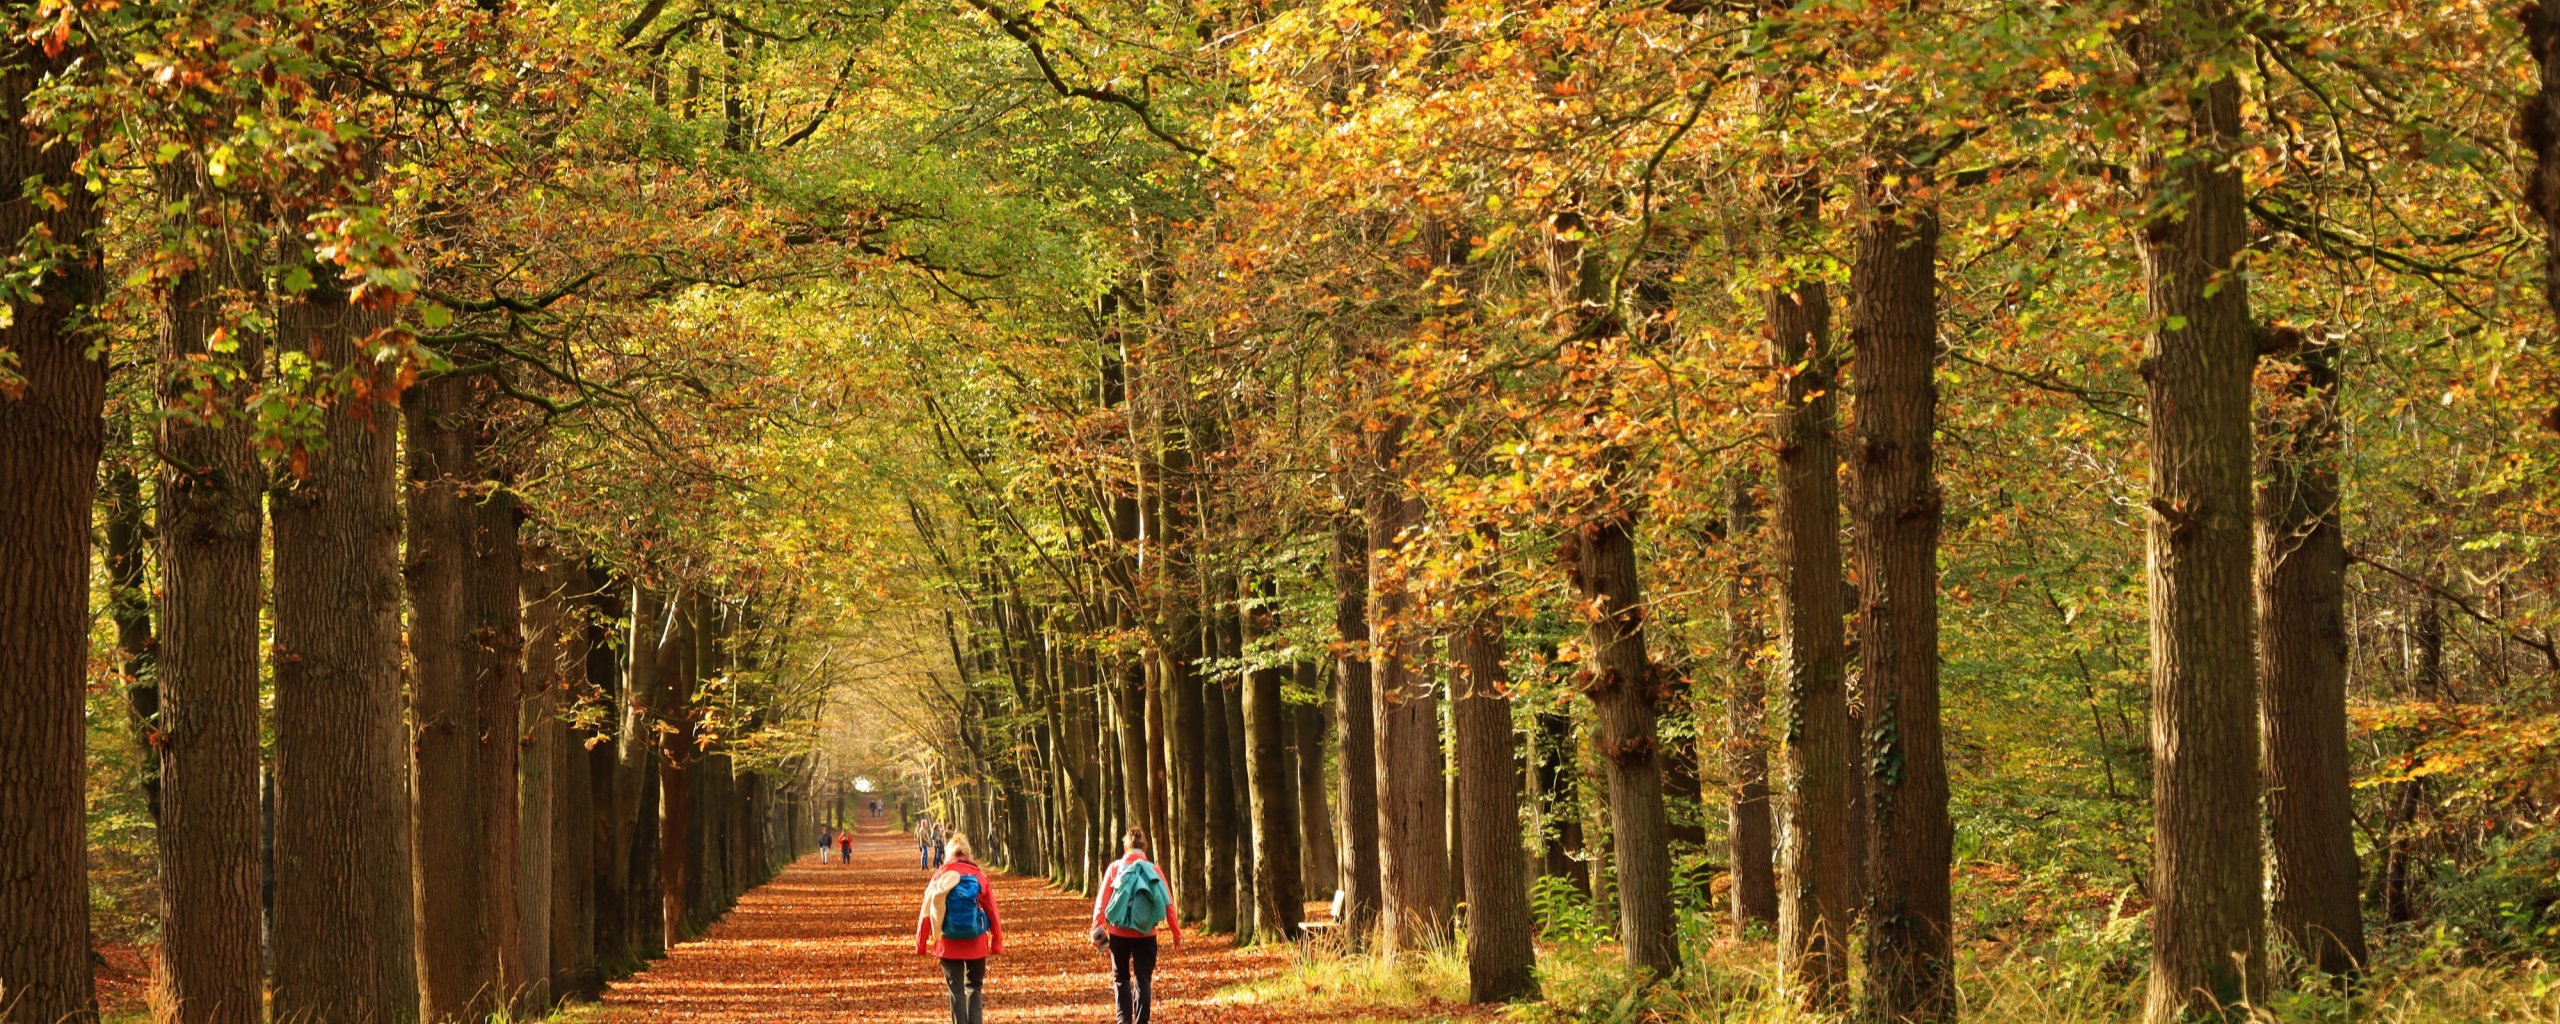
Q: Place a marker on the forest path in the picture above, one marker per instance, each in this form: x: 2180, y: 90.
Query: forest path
x: 836, y: 943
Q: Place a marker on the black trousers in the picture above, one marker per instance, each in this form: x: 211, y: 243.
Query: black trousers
x: 968, y: 981
x: 1133, y: 977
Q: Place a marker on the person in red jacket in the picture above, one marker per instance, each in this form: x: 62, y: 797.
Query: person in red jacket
x: 959, y: 925
x: 1133, y: 951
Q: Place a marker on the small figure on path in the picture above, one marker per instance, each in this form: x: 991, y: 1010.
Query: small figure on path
x: 844, y: 847
x: 924, y: 844
x: 959, y: 925
x: 826, y: 841
x: 1133, y: 899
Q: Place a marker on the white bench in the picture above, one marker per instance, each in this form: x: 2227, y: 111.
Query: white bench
x: 1310, y: 931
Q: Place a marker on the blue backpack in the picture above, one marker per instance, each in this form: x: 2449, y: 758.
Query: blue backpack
x: 1138, y: 898
x: 962, y: 917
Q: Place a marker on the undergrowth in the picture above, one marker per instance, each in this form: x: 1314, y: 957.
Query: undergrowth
x: 2084, y: 968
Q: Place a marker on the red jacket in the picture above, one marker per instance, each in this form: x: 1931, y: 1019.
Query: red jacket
x: 1102, y: 902
x: 929, y: 940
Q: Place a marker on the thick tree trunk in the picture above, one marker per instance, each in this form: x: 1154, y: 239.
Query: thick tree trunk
x: 1218, y: 802
x: 1248, y: 829
x: 573, y: 795
x: 1500, y: 963
x: 675, y: 765
x: 1413, y: 863
x: 494, y: 598
x: 2302, y: 673
x: 1279, y: 900
x: 1186, y: 745
x: 212, y: 518
x: 1352, y: 704
x: 1814, y: 857
x: 52, y: 416
x: 1319, y: 874
x: 1625, y: 688
x: 459, y: 931
x: 2539, y: 124
x: 1748, y: 839
x: 1894, y: 329
x: 2208, y: 918
x: 608, y: 820
x: 543, y: 584
x: 344, y: 933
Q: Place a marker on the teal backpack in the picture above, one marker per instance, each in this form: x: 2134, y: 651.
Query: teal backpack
x: 1138, y: 899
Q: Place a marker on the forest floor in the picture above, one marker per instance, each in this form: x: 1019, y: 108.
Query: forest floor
x: 836, y: 943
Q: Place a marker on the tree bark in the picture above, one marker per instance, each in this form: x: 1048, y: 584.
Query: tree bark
x: 345, y: 941
x: 1413, y: 863
x: 573, y: 796
x: 1352, y: 702
x: 52, y: 413
x: 1500, y: 962
x: 1894, y: 330
x: 545, y: 639
x: 2302, y: 671
x: 1279, y: 899
x: 1218, y: 803
x: 458, y: 901
x: 1814, y: 863
x: 1626, y: 689
x: 675, y: 821
x: 1748, y: 841
x: 212, y: 520
x: 1238, y: 774
x: 2208, y: 918
x: 494, y: 599
x: 1315, y: 812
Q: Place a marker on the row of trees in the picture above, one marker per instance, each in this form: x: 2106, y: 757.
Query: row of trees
x: 1348, y: 433
x: 452, y: 697
x: 1512, y: 379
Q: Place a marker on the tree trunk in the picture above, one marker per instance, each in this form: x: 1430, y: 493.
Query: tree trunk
x: 1894, y: 330
x: 1315, y: 812
x: 1248, y: 828
x: 545, y: 657
x: 1279, y: 901
x: 494, y: 597
x: 1413, y: 865
x: 344, y: 933
x: 2540, y: 124
x: 1352, y: 703
x: 1814, y: 858
x: 212, y: 520
x: 1218, y: 802
x: 1500, y: 963
x: 2302, y: 673
x: 2206, y: 955
x: 1625, y: 688
x: 675, y: 819
x: 460, y: 940
x: 53, y: 416
x: 573, y: 795
x: 1747, y: 832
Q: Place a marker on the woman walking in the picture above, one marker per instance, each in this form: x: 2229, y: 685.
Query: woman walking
x: 1133, y: 899
x: 960, y: 926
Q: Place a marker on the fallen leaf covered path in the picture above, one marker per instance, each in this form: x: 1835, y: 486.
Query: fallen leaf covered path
x: 836, y: 942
